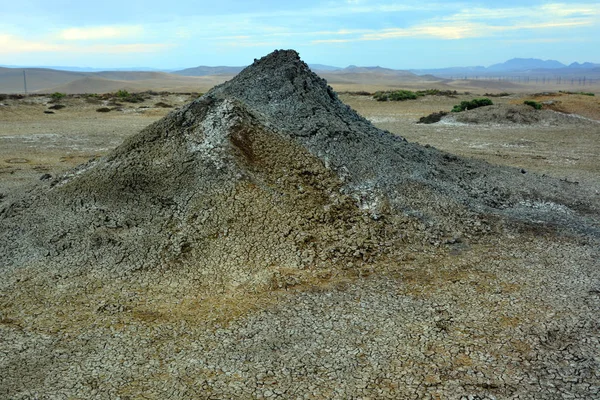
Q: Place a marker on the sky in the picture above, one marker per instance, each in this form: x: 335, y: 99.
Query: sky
x: 395, y: 34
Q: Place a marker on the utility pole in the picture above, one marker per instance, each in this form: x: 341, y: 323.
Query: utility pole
x: 25, y: 82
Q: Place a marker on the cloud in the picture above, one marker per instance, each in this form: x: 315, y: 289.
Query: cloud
x: 101, y: 32
x: 545, y: 11
x: 481, y: 22
x: 10, y: 44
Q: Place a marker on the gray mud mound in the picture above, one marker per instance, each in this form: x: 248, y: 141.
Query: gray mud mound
x: 142, y: 274
x: 520, y: 114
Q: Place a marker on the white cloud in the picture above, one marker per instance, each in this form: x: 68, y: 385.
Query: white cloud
x: 10, y: 44
x: 481, y: 22
x: 101, y: 32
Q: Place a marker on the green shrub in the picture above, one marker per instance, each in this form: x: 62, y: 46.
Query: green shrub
x: 57, y: 95
x: 469, y: 105
x: 103, y: 109
x: 582, y: 93
x: 502, y: 94
x: 397, y: 95
x: 534, y: 104
x: 124, y: 95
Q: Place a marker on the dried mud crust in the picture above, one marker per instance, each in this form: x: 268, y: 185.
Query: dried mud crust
x: 223, y: 252
x: 491, y: 322
x: 519, y: 114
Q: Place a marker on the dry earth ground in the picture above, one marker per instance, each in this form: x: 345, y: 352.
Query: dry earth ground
x: 485, y: 320
x: 566, y: 151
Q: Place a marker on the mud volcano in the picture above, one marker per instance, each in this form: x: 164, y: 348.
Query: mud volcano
x: 223, y: 252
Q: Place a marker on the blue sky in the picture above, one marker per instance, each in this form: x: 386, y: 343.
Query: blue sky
x: 395, y: 34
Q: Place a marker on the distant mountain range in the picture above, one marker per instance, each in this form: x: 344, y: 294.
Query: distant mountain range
x: 527, y: 66
x: 514, y: 65
x: 91, y: 80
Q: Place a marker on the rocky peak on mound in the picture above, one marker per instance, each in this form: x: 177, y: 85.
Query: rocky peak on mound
x: 268, y: 171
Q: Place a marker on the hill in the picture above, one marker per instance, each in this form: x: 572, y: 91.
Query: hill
x: 524, y: 64
x: 517, y: 67
x: 11, y: 80
x: 205, y: 71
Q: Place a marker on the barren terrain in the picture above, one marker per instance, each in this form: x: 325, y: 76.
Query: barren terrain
x: 34, y: 143
x: 478, y: 306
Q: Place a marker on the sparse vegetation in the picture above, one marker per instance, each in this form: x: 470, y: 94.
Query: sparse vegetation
x: 56, y: 96
x: 581, y: 93
x: 437, y: 92
x: 103, y: 109
x: 124, y: 95
x: 397, y: 95
x: 163, y: 105
x: 401, y: 95
x: 93, y: 99
x: 432, y: 118
x: 534, y: 104
x: 502, y: 94
x: 3, y: 97
x: 57, y: 107
x: 361, y: 93
x: 469, y: 105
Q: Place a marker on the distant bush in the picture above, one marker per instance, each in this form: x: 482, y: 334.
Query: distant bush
x: 163, y: 105
x: 361, y: 93
x: 397, y: 95
x: 57, y: 107
x: 502, y: 94
x: 582, y: 93
x: 432, y: 118
x: 58, y: 95
x: 437, y: 92
x: 93, y: 100
x: 129, y: 97
x: 534, y: 104
x: 3, y: 97
x: 103, y: 109
x: 469, y: 105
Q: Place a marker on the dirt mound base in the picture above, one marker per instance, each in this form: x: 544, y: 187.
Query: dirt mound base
x: 508, y: 114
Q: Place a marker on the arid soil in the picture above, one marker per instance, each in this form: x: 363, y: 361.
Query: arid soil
x: 569, y: 150
x: 441, y: 295
x: 34, y: 143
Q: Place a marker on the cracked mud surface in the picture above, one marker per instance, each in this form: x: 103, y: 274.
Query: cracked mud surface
x: 222, y: 253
